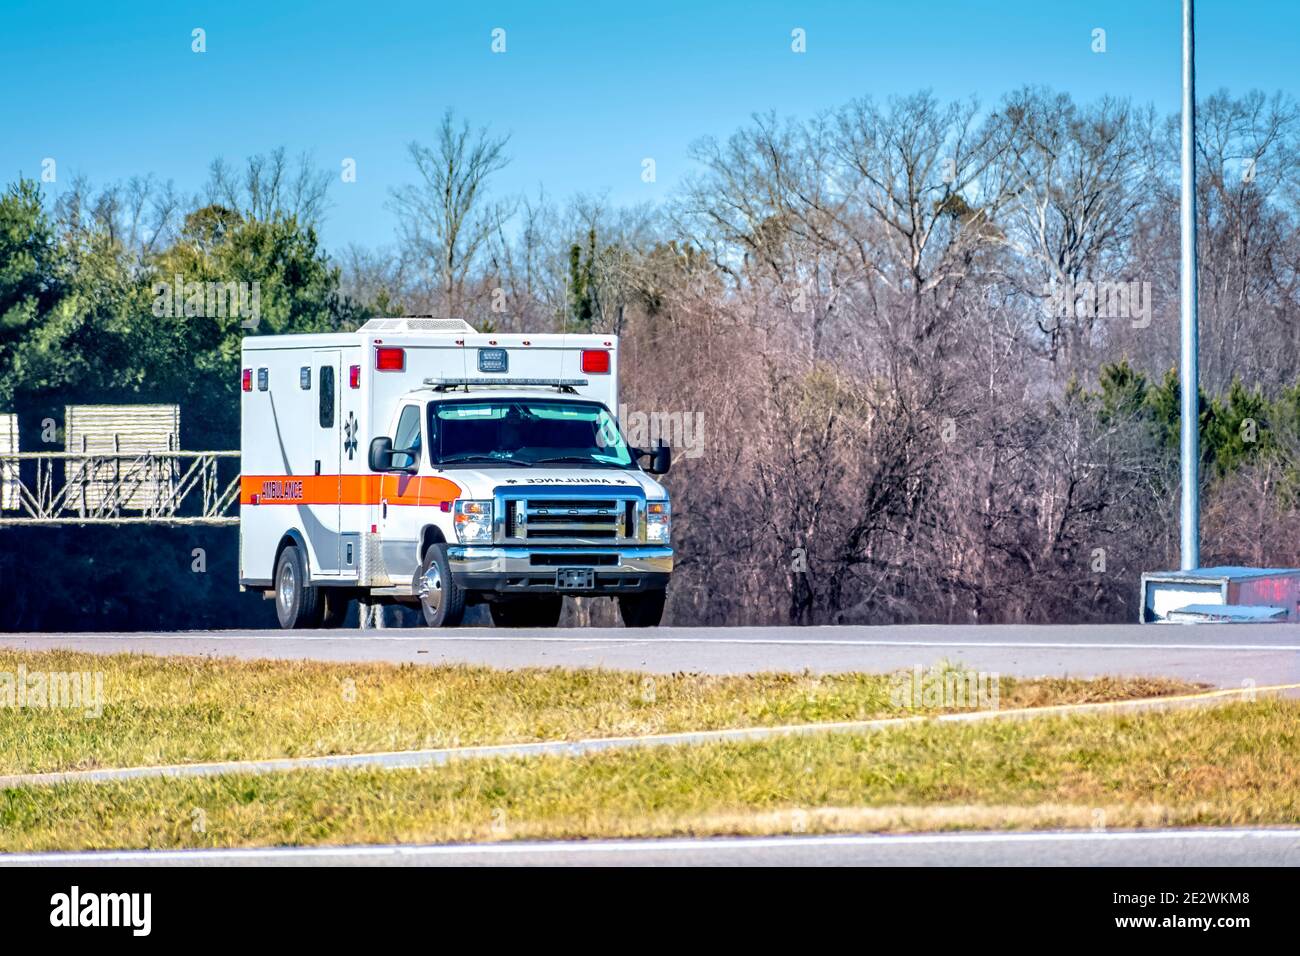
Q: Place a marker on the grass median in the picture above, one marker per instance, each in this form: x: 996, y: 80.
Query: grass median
x: 165, y: 710
x: 1229, y: 765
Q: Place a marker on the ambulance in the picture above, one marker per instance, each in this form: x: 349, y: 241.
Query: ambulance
x: 418, y: 461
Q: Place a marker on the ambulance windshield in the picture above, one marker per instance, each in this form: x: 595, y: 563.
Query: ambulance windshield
x: 525, y: 432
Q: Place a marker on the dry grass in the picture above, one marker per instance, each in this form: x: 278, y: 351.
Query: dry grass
x: 1228, y: 765
x: 161, y: 710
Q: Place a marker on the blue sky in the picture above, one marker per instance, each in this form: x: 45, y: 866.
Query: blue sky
x: 586, y: 91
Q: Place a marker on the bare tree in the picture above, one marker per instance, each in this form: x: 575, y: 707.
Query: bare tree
x: 921, y: 170
x: 373, y: 278
x: 445, y: 218
x: 772, y: 214
x: 526, y: 264
x: 1080, y: 177
x: 271, y: 185
x: 1249, y: 299
x: 140, y: 217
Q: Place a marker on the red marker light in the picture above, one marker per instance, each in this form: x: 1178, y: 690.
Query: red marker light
x: 248, y: 379
x: 354, y: 376
x: 390, y: 359
x: 595, y: 361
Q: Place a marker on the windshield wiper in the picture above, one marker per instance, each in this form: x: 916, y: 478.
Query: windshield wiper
x: 461, y: 459
x: 576, y: 459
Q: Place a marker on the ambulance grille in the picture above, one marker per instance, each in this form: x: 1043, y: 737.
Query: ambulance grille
x: 571, y: 519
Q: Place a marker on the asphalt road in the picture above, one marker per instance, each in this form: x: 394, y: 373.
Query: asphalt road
x: 1222, y: 655
x: 1116, y: 848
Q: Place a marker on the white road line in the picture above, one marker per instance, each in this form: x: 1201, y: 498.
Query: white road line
x: 666, y: 844
x: 625, y: 642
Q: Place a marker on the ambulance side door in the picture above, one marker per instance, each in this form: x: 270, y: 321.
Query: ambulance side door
x: 400, y: 518
x: 324, y: 514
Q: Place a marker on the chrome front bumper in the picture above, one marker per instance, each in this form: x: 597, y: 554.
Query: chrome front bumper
x: 492, y: 560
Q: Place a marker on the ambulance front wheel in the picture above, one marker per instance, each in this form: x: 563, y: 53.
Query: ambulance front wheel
x: 296, y: 604
x: 441, y: 601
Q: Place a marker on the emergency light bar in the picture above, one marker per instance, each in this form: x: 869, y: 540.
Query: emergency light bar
x: 506, y: 382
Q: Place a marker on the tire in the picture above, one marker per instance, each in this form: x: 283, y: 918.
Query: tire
x: 441, y: 601
x: 541, y: 610
x: 642, y: 610
x: 336, y: 602
x: 297, y: 604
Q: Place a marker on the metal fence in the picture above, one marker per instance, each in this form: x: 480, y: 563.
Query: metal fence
x: 124, y: 487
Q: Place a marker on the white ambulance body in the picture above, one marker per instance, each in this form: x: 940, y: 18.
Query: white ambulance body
x: 419, y: 461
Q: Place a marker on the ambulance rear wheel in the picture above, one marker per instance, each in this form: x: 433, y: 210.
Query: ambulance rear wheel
x: 642, y: 610
x: 441, y: 601
x: 296, y: 604
x: 537, y: 611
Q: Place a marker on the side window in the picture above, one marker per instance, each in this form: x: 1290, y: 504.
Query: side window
x: 407, y: 438
x: 327, y: 396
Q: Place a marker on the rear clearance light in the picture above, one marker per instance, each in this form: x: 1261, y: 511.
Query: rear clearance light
x: 390, y: 359
x: 595, y: 361
x: 354, y: 376
x: 248, y: 380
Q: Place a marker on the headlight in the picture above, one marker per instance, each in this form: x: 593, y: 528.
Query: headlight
x: 473, y: 521
x: 658, y: 522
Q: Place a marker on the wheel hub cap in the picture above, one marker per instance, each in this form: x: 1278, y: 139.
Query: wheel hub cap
x: 286, y: 586
x: 431, y: 588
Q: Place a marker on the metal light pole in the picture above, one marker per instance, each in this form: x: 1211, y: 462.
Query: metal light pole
x: 1189, y: 375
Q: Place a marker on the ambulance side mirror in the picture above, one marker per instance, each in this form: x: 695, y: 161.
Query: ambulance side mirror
x: 661, y: 457
x: 381, y: 456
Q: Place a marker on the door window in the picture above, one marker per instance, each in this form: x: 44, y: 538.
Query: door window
x: 327, y: 396
x: 407, y: 438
